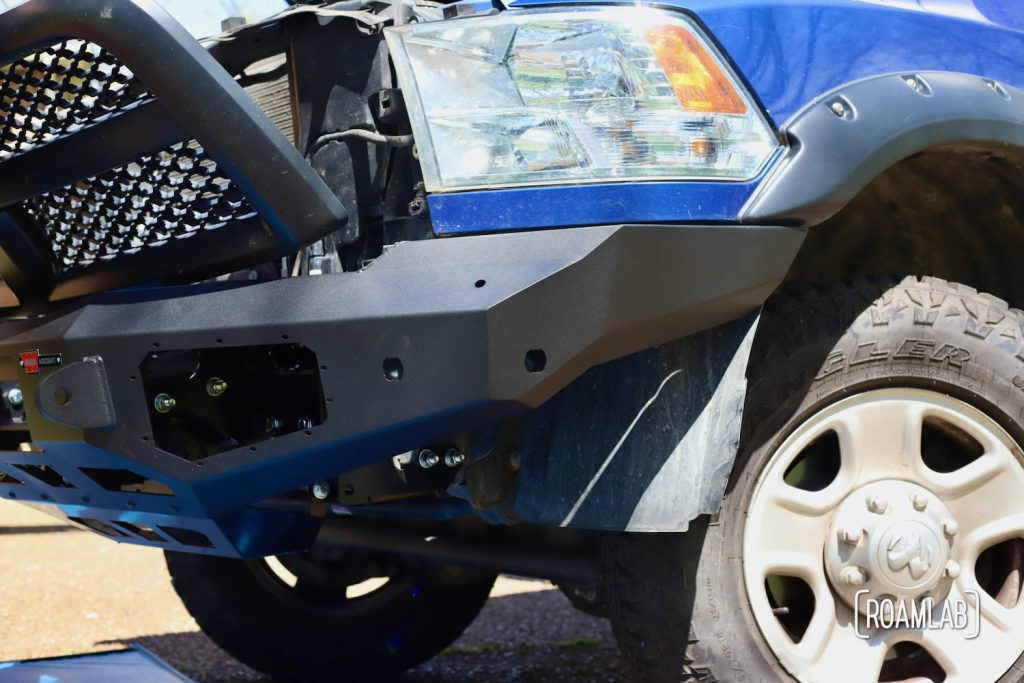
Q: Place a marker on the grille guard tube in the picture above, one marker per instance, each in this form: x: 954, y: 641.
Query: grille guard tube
x: 462, y: 315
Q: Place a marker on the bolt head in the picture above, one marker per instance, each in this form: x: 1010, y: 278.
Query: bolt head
x: 15, y: 397
x: 851, y: 535
x: 321, y: 490
x: 952, y: 569
x: 428, y: 459
x: 950, y: 526
x: 215, y: 386
x: 853, y: 576
x: 452, y: 458
x: 164, y: 403
x: 920, y: 501
x: 878, y: 505
x: 838, y: 108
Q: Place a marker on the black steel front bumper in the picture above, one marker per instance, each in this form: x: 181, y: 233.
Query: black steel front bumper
x: 483, y: 327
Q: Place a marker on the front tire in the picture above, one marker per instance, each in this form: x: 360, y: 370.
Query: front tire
x: 338, y: 617
x: 877, y: 412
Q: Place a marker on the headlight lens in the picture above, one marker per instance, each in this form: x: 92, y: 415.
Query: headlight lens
x: 525, y: 98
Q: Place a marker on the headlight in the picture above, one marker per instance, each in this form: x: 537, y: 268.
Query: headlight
x: 524, y: 98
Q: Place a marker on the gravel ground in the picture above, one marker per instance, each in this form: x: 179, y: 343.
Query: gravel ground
x: 71, y: 592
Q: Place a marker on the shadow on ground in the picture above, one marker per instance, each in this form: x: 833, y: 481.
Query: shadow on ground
x: 534, y: 637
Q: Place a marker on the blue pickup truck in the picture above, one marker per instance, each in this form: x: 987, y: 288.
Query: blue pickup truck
x: 702, y: 309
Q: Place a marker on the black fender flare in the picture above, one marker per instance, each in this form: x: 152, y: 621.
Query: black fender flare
x: 842, y: 140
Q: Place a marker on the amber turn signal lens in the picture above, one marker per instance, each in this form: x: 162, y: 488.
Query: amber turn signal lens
x: 697, y: 80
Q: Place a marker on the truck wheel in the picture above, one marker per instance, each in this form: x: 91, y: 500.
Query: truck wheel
x: 333, y: 616
x: 880, y: 467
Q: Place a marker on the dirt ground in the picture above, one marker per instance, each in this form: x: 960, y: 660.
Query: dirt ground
x: 66, y: 592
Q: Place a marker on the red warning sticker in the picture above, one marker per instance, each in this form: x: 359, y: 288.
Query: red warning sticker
x: 32, y: 361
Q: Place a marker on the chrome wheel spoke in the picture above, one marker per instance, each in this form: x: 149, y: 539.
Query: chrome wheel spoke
x: 791, y: 527
x: 835, y: 646
x: 879, y: 439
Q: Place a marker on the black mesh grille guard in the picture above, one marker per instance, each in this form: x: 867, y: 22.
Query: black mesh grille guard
x: 50, y: 93
x: 175, y: 194
x: 128, y: 153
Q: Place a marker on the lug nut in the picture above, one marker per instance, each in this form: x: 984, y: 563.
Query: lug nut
x: 920, y: 501
x: 164, y: 403
x: 952, y: 569
x: 950, y: 526
x: 15, y: 397
x: 305, y: 423
x: 215, y: 386
x: 274, y: 424
x: 878, y: 505
x: 853, y: 576
x: 321, y: 490
x: 452, y: 458
x: 428, y: 459
x: 851, y: 535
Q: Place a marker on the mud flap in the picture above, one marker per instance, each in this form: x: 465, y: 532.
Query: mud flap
x: 643, y: 443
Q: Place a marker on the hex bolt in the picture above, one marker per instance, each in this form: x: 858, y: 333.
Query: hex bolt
x: 15, y: 397
x: 321, y: 490
x: 950, y: 526
x: 952, y: 569
x: 853, y: 576
x: 878, y: 505
x: 274, y: 424
x: 215, y: 386
x: 164, y: 403
x: 305, y: 422
x: 838, y: 108
x: 920, y: 501
x: 851, y: 535
x: 452, y: 458
x: 428, y: 459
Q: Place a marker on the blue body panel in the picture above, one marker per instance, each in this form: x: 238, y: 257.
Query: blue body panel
x: 559, y: 206
x: 790, y: 52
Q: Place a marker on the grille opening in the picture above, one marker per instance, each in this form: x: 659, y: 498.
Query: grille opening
x: 125, y: 481
x: 818, y: 464
x: 47, y: 475
x: 908, y: 661
x: 946, y: 448
x: 98, y: 526
x: 1000, y: 571
x: 141, y: 531
x: 792, y: 601
x: 172, y: 194
x: 57, y: 90
x: 189, y: 537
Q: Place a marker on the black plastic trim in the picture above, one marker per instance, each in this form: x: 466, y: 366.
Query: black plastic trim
x: 845, y: 138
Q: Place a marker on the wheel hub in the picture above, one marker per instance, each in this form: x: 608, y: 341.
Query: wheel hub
x: 891, y: 539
